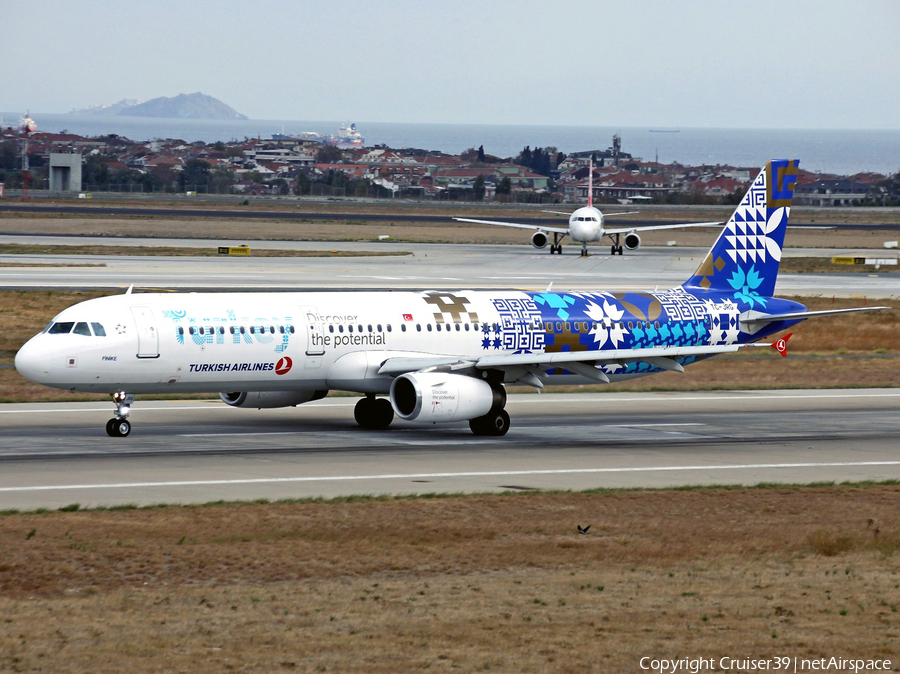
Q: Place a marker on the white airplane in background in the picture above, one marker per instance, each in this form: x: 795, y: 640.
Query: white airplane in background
x: 586, y: 226
x: 438, y: 356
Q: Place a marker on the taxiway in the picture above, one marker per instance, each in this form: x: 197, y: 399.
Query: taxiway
x: 53, y: 455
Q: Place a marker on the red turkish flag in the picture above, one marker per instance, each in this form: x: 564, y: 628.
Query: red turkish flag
x: 407, y: 317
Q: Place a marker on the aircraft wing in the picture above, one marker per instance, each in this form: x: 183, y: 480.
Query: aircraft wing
x: 581, y: 362
x: 560, y: 230
x: 647, y: 228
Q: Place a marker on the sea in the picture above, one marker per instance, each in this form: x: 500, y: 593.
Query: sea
x: 838, y: 151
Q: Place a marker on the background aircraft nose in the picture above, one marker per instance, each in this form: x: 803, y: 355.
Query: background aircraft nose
x: 32, y: 361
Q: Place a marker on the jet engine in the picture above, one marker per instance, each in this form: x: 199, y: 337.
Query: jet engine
x: 632, y: 241
x: 539, y: 240
x: 269, y: 399
x: 436, y: 396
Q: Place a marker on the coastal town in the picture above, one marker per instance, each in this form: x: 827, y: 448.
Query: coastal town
x: 343, y: 166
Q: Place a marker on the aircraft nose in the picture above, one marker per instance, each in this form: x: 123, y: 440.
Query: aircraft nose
x: 32, y: 362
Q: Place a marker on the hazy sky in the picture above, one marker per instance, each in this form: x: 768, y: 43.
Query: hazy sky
x: 722, y: 63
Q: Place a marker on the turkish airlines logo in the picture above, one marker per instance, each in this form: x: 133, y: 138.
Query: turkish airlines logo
x: 407, y: 317
x: 283, y: 366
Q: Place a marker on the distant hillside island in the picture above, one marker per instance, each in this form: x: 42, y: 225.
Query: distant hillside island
x: 182, y: 106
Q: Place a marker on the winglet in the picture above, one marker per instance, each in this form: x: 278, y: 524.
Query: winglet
x: 781, y: 345
x: 130, y: 288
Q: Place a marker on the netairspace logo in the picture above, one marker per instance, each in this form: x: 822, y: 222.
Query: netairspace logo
x: 783, y: 663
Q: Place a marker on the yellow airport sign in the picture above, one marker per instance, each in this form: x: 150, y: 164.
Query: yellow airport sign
x: 243, y: 249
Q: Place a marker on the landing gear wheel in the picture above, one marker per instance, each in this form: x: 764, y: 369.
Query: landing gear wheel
x: 616, y: 250
x: 555, y: 248
x: 374, y: 413
x: 118, y: 428
x: 493, y: 424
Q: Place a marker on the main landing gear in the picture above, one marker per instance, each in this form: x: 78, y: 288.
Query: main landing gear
x: 374, y: 413
x: 616, y: 247
x: 556, y: 246
x: 119, y: 426
x: 494, y: 423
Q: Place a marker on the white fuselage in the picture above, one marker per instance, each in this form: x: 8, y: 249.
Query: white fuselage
x: 586, y: 225
x: 198, y: 342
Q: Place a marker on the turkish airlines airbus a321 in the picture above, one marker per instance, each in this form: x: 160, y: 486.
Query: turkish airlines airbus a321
x: 438, y: 356
x: 586, y: 226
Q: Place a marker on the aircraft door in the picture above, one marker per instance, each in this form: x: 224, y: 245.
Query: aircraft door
x: 315, y: 339
x: 148, y: 336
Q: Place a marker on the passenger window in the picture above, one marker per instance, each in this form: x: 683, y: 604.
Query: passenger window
x: 630, y: 325
x: 568, y: 327
x: 418, y: 327
x: 467, y: 327
x: 98, y: 330
x: 181, y: 330
x: 388, y: 327
x: 231, y: 329
x: 457, y: 327
x: 341, y: 327
x: 370, y: 328
x: 82, y: 329
x: 656, y: 324
x: 349, y: 328
x: 243, y: 330
x: 330, y: 328
x: 61, y: 328
x: 379, y: 327
x: 403, y: 327
x: 429, y: 327
x: 291, y: 329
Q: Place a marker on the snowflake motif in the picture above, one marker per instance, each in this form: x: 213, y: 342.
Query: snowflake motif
x: 607, y: 320
x: 746, y: 285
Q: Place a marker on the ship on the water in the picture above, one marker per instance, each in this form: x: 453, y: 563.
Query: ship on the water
x: 347, y: 137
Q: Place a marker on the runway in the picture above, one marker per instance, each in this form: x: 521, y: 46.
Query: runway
x: 423, y: 267
x: 53, y: 455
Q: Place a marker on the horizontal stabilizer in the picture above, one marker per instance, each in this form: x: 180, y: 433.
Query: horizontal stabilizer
x: 750, y: 318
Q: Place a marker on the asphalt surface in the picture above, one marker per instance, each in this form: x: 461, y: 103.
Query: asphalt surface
x: 52, y: 455
x: 425, y: 266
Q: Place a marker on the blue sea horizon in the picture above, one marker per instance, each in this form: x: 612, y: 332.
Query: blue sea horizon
x: 839, y: 151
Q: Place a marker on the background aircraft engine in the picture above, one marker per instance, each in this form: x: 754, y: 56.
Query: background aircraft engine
x: 632, y: 241
x: 539, y: 240
x: 436, y: 396
x: 269, y: 399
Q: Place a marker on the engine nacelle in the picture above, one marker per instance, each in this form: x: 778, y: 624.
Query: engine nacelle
x: 437, y: 396
x: 632, y: 241
x: 270, y: 399
x: 539, y: 240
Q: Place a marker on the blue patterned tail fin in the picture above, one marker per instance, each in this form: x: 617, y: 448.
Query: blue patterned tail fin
x: 746, y: 255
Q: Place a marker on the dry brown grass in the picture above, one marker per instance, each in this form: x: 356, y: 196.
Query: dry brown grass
x: 229, y: 228
x: 492, y: 581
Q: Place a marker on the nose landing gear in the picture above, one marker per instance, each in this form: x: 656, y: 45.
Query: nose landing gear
x: 119, y: 426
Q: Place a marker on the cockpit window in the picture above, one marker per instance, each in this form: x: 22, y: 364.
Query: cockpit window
x: 98, y: 330
x: 61, y: 328
x: 47, y: 329
x: 82, y: 329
